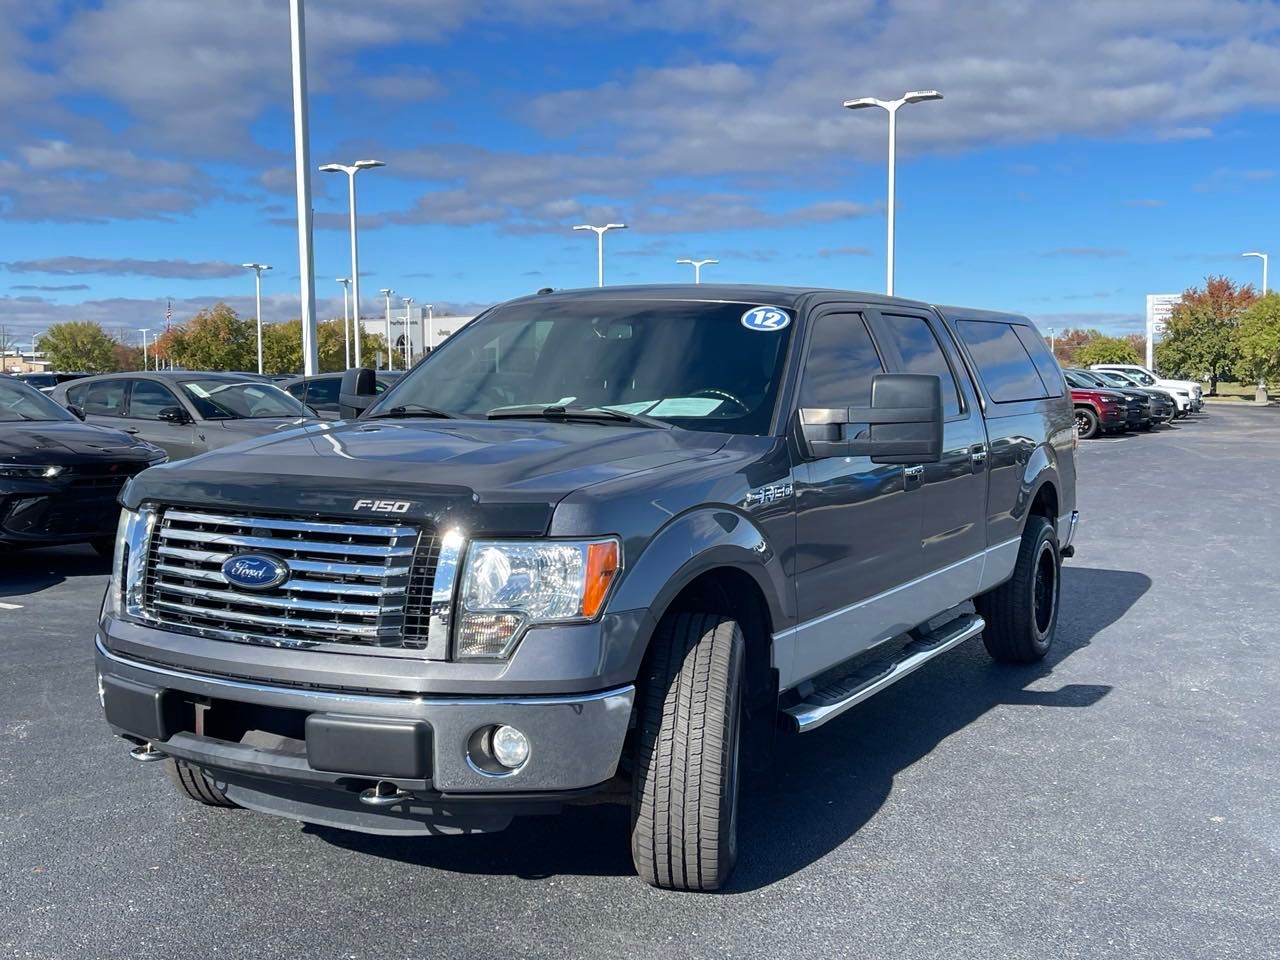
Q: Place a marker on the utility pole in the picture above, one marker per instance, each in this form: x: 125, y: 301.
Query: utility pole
x: 408, y: 333
x: 144, y: 331
x: 302, y: 174
x: 346, y: 323
x: 386, y: 293
x: 600, y: 232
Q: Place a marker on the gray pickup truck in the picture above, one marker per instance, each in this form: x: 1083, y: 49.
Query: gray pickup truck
x: 600, y: 544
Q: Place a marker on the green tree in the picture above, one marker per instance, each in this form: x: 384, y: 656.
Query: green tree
x: 282, y: 347
x: 1102, y: 349
x: 214, y: 339
x: 79, y: 345
x: 1201, y: 338
x: 1258, y: 342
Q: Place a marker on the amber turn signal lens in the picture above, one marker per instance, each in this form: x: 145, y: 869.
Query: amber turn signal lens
x: 602, y: 566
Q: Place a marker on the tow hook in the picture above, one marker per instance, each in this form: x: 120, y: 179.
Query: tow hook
x: 146, y: 754
x: 384, y: 794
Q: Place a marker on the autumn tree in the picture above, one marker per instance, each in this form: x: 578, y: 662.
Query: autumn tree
x: 1068, y: 342
x: 128, y: 357
x: 1106, y: 350
x: 79, y: 345
x: 1258, y: 341
x: 214, y: 339
x: 1201, y: 335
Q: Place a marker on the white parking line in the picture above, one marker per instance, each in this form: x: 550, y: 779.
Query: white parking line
x: 10, y: 606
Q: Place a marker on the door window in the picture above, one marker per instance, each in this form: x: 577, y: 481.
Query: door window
x: 921, y: 353
x: 324, y: 393
x: 1046, y: 365
x: 1007, y: 370
x: 149, y: 398
x: 841, y: 364
x: 104, y: 398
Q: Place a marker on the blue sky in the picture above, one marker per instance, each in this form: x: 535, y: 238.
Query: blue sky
x: 1086, y: 153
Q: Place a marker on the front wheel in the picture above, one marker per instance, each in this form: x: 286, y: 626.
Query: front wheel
x: 194, y: 784
x: 1086, y: 423
x: 1022, y: 613
x: 684, y: 807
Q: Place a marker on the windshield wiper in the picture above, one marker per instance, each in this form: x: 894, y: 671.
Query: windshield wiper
x: 537, y: 411
x: 412, y: 410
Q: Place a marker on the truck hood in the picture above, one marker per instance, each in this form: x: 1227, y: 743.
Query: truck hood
x: 493, y: 476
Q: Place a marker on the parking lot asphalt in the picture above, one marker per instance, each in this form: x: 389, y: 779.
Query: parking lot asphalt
x: 1120, y: 800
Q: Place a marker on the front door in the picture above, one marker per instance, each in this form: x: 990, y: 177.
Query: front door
x: 147, y: 399
x: 857, y: 526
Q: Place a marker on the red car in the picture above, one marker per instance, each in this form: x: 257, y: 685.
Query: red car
x: 1099, y: 411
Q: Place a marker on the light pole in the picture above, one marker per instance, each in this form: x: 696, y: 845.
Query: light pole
x: 351, y: 171
x: 144, y: 331
x: 891, y: 106
x: 1263, y: 257
x: 386, y: 293
x: 346, y: 321
x: 697, y: 267
x: 257, y: 269
x: 302, y: 175
x: 429, y: 329
x: 1053, y: 345
x: 600, y: 232
x: 408, y: 332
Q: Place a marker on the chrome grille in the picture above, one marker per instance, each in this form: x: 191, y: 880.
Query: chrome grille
x: 349, y: 582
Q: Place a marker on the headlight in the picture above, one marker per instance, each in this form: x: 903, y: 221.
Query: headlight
x: 1111, y: 400
x: 124, y: 592
x: 509, y: 585
x: 30, y: 472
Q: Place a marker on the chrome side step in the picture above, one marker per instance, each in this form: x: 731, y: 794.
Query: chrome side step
x: 829, y: 701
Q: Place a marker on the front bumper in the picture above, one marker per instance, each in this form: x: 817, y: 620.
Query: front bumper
x: 309, y: 753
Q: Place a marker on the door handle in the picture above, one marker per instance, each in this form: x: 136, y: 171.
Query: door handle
x: 132, y: 430
x: 913, y: 473
x: 978, y: 456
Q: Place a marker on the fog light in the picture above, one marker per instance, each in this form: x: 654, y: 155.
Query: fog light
x: 510, y: 747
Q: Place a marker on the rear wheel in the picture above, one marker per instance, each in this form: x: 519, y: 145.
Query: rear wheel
x: 1022, y: 613
x: 684, y: 806
x: 1086, y: 423
x: 195, y: 784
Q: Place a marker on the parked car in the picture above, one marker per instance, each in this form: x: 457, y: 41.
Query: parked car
x: 1187, y: 393
x: 59, y: 478
x: 598, y: 542
x: 1139, y: 403
x: 321, y: 392
x: 45, y: 382
x: 1164, y: 406
x: 1097, y: 410
x: 185, y: 413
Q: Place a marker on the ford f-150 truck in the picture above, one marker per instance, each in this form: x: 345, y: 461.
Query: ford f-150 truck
x: 600, y: 544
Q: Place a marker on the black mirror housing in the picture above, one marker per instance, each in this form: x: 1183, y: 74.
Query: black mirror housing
x: 174, y: 415
x: 77, y: 411
x: 904, y: 423
x: 357, y: 393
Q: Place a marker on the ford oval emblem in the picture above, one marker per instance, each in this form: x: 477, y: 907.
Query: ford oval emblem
x: 255, y: 571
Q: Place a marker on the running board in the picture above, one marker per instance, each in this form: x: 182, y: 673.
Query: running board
x: 829, y: 701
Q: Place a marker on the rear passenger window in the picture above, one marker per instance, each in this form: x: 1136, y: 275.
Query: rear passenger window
x: 921, y: 353
x: 1007, y: 370
x: 324, y: 392
x: 104, y: 398
x: 841, y: 364
x: 1046, y: 366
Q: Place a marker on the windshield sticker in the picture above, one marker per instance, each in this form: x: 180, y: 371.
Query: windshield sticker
x: 766, y: 319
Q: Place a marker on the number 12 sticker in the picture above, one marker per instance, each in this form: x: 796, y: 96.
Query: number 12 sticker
x: 766, y: 319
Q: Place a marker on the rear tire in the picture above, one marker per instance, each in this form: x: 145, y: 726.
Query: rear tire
x: 1086, y: 423
x: 194, y: 783
x: 1022, y: 613
x: 684, y: 807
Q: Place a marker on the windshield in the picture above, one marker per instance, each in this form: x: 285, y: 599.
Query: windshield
x: 694, y: 364
x: 1113, y: 378
x: 1083, y: 380
x: 229, y: 400
x: 21, y: 402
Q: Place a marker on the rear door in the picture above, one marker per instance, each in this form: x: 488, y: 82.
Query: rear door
x: 103, y: 401
x: 146, y: 400
x: 951, y: 495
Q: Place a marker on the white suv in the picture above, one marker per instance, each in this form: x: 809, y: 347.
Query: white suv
x: 1186, y: 393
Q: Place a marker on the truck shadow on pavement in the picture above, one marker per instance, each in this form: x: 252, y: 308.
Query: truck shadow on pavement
x: 824, y: 786
x: 24, y: 572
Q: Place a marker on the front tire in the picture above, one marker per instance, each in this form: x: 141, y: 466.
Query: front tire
x: 1022, y: 613
x: 194, y: 783
x: 684, y: 807
x: 1086, y: 423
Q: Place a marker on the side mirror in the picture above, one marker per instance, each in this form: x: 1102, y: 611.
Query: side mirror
x: 78, y: 411
x: 173, y: 415
x: 358, y: 391
x: 904, y: 423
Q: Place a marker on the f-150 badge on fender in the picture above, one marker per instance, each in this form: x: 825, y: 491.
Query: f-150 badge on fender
x: 769, y: 494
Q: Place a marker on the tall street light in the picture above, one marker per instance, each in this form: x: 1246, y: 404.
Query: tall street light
x: 257, y: 269
x: 891, y: 106
x: 386, y: 293
x: 600, y: 232
x: 346, y: 321
x: 408, y: 332
x: 144, y: 331
x: 429, y: 329
x: 1263, y: 257
x: 351, y: 171
x: 697, y: 267
x: 302, y: 175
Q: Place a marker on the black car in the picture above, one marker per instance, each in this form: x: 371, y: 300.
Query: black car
x: 1137, y: 403
x: 59, y: 478
x: 185, y: 413
x: 45, y: 382
x: 1163, y: 409
x: 321, y: 391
